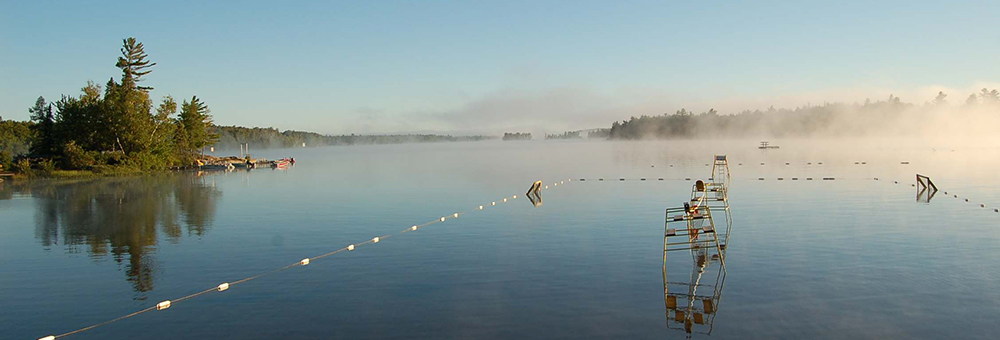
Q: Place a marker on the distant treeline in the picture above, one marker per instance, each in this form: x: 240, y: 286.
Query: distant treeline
x: 517, y: 136
x: 891, y: 116
x: 565, y: 135
x: 230, y: 137
x: 599, y: 133
x: 593, y: 133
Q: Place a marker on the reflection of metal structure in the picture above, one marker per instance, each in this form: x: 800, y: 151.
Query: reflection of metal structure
x: 925, y: 189
x: 536, y: 199
x: 691, y: 306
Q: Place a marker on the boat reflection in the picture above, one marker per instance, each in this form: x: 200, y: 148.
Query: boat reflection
x: 123, y: 218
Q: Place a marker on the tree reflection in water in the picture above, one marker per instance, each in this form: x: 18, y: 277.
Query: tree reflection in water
x: 122, y: 217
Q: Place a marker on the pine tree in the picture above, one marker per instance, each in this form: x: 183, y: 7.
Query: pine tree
x: 41, y: 114
x: 940, y: 99
x: 134, y: 64
x: 127, y: 115
x: 197, y: 124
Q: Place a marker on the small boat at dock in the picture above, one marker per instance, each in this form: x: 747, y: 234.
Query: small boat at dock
x: 281, y: 163
x: 217, y: 167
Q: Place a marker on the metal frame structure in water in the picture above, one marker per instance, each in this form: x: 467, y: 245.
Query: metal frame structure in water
x: 693, y: 228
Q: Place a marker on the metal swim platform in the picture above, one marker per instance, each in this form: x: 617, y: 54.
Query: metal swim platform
x: 695, y: 219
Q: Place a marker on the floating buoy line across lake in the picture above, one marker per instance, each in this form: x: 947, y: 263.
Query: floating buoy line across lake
x: 820, y: 179
x: 225, y: 286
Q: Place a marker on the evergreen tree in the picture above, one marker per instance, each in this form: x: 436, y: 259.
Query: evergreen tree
x: 990, y: 97
x: 127, y: 108
x: 134, y: 64
x: 940, y: 99
x: 972, y: 100
x: 127, y: 118
x: 197, y: 124
x: 41, y: 114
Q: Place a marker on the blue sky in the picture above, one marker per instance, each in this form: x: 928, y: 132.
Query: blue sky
x: 488, y: 67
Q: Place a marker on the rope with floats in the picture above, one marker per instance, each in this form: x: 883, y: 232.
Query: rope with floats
x: 817, y: 179
x: 301, y: 263
x: 351, y: 247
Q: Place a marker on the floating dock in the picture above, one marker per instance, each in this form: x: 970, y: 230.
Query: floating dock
x: 766, y: 145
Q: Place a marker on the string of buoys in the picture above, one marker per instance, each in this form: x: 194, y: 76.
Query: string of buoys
x: 953, y: 195
x: 807, y: 163
x: 657, y: 179
x: 225, y: 286
x: 644, y: 179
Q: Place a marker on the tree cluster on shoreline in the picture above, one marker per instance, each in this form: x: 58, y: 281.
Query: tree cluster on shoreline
x: 516, y: 136
x: 599, y: 133
x: 565, y: 135
x: 230, y: 137
x: 883, y: 117
x: 118, y: 129
x: 114, y: 126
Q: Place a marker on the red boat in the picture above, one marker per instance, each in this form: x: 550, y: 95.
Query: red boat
x: 281, y: 164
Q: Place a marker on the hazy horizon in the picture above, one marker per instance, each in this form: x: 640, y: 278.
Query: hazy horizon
x: 490, y: 68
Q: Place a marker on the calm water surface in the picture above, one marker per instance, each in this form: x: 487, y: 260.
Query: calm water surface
x: 850, y: 258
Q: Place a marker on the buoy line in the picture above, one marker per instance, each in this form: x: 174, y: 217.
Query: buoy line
x: 819, y: 179
x: 752, y: 163
x: 351, y: 247
x: 954, y: 195
x: 664, y: 179
x: 303, y: 262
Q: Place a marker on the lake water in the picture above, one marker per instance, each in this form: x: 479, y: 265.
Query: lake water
x: 848, y: 258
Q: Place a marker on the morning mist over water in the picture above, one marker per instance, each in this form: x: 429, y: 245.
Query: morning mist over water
x: 498, y: 170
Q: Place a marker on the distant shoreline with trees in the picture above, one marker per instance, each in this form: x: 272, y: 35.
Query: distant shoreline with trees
x: 516, y: 136
x: 884, y: 117
x: 230, y: 137
x: 116, y: 129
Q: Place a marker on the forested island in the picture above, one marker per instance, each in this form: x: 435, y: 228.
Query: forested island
x: 117, y: 129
